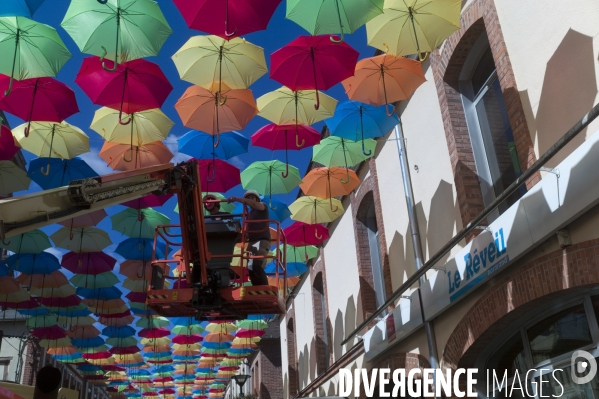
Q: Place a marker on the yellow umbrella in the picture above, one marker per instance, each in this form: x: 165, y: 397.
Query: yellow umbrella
x: 53, y: 292
x: 235, y: 62
x: 155, y: 341
x: 84, y: 239
x: 313, y: 210
x: 140, y: 285
x: 77, y: 321
x: 56, y: 343
x: 16, y: 296
x: 246, y: 340
x: 12, y: 178
x: 413, y: 26
x: 286, y: 107
x: 52, y: 140
x: 223, y: 328
x: 187, y: 346
x: 145, y: 127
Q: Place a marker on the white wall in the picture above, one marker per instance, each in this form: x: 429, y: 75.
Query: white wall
x: 304, y: 334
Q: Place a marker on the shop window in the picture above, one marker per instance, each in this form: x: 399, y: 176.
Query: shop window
x: 491, y: 135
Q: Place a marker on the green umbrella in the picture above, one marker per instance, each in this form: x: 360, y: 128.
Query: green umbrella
x: 152, y: 322
x: 83, y: 239
x: 32, y: 242
x: 41, y: 321
x: 126, y: 341
x: 267, y: 177
x: 29, y: 49
x: 138, y: 223
x: 138, y: 28
x: 332, y: 16
x: 188, y: 330
x: 252, y: 324
x: 95, y: 349
x: 300, y: 254
x: 101, y: 280
x: 337, y: 151
x: 12, y: 178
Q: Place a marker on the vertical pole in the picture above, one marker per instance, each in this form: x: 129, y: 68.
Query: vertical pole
x: 416, y: 243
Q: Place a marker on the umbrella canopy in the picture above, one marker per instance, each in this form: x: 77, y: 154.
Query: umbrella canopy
x: 384, y: 79
x: 61, y: 171
x: 134, y: 86
x: 137, y: 27
x: 329, y: 182
x: 87, y: 220
x: 135, y: 269
x: 287, y: 107
x: 12, y: 178
x: 101, y: 280
x: 53, y: 332
x: 148, y: 201
x: 41, y: 322
x: 357, y: 121
x: 313, y: 62
x: 217, y: 175
x: 240, y: 17
x: 223, y: 328
x: 248, y: 324
x: 313, y: 210
x: 213, y: 111
x: 22, y: 8
x: 38, y: 99
x: 124, y: 157
x: 270, y: 177
x: 332, y: 16
x: 188, y: 330
x: 31, y: 49
x: 33, y: 242
x: 300, y: 234
x: 84, y: 239
x: 138, y: 223
x: 88, y: 263
x: 152, y: 322
x: 414, y: 27
x: 339, y: 151
x: 145, y: 127
x: 140, y: 249
x: 204, y: 59
x: 72, y: 300
x: 8, y: 144
x: 118, y: 332
x: 100, y: 293
x: 187, y: 339
x: 33, y: 263
x: 300, y: 254
x: 202, y: 145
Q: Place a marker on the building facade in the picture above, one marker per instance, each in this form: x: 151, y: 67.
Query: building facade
x: 522, y: 290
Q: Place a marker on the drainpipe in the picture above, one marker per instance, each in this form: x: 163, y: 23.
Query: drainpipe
x: 416, y: 243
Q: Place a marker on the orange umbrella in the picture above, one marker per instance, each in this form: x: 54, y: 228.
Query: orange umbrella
x: 329, y: 182
x: 291, y: 282
x: 67, y: 350
x: 52, y: 280
x: 83, y: 332
x: 136, y: 269
x: 218, y: 337
x: 9, y: 285
x: 87, y: 220
x: 157, y: 348
x: 201, y: 109
x: 123, y: 157
x: 384, y: 79
x: 117, y: 321
x: 104, y: 305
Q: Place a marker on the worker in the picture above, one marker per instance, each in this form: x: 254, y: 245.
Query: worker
x: 258, y: 235
x: 213, y: 208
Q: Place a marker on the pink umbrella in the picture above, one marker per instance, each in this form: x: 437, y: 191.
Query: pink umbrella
x: 8, y: 145
x: 242, y: 333
x: 87, y: 220
x: 97, y: 355
x: 300, y: 234
x: 67, y: 301
x: 28, y: 304
x: 286, y: 137
x: 124, y: 350
x: 187, y: 339
x: 135, y: 86
x: 149, y: 201
x: 38, y: 99
x: 154, y: 332
x: 218, y: 176
x: 53, y: 332
x: 88, y: 263
x: 111, y: 367
x: 239, y: 16
x: 137, y: 296
x: 313, y: 62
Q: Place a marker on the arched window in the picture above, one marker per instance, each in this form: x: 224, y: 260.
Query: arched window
x: 292, y: 359
x: 491, y: 136
x: 320, y: 321
x: 368, y: 219
x: 545, y: 343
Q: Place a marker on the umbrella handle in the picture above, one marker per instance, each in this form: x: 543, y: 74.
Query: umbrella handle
x: 387, y: 109
x: 47, y: 171
x: 104, y: 52
x: 335, y: 209
x: 213, y: 175
x: 217, y: 142
x: 316, y: 235
x: 121, y: 118
x: 9, y: 90
x: 221, y: 99
x: 4, y: 242
x: 130, y: 154
x: 286, y: 173
x: 297, y: 143
x: 71, y: 235
x: 231, y: 34
x: 364, y: 150
x: 346, y: 181
x: 337, y: 39
x: 423, y: 58
x: 317, y: 105
x: 143, y: 272
x: 71, y: 329
x: 27, y: 129
x: 102, y: 1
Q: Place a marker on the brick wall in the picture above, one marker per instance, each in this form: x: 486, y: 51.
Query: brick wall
x: 322, y: 335
x: 33, y: 353
x: 292, y: 360
x: 447, y: 65
x: 270, y: 382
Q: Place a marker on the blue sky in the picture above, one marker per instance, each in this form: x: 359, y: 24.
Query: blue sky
x: 280, y: 32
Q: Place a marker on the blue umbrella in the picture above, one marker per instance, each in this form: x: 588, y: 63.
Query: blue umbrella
x: 185, y: 321
x: 42, y: 263
x: 3, y: 270
x: 39, y: 311
x: 62, y: 171
x: 118, y: 332
x: 102, y: 294
x: 73, y: 313
x: 19, y: 8
x: 294, y: 269
x: 357, y: 121
x: 144, y: 312
x: 163, y: 369
x: 277, y: 210
x: 140, y: 249
x: 139, y: 372
x: 87, y: 342
x: 216, y: 345
x: 201, y: 145
x: 156, y: 355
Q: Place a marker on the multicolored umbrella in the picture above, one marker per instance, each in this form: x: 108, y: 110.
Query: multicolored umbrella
x: 12, y: 178
x: 313, y: 62
x: 314, y: 210
x: 134, y: 86
x: 60, y: 172
x: 38, y: 99
x: 31, y: 49
x: 138, y: 28
x: 202, y: 145
x: 240, y: 16
x: 332, y: 16
x: 124, y: 157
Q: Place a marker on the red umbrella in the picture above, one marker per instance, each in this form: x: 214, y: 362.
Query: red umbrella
x: 300, y: 234
x: 239, y: 16
x: 124, y: 350
x: 8, y: 146
x: 154, y: 332
x: 113, y: 368
x: 97, y: 355
x: 149, y: 201
x: 53, y: 332
x: 135, y: 86
x: 28, y: 304
x: 137, y: 296
x: 218, y: 176
x: 88, y: 263
x: 87, y: 220
x: 243, y: 333
x: 67, y: 301
x: 38, y: 99
x: 313, y: 62
x: 187, y: 339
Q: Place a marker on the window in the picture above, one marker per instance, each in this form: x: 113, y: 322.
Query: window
x: 4, y: 367
x: 375, y: 255
x: 493, y: 143
x: 545, y: 344
x: 320, y: 311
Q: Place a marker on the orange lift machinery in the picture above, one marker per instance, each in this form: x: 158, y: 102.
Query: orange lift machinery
x: 206, y: 285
